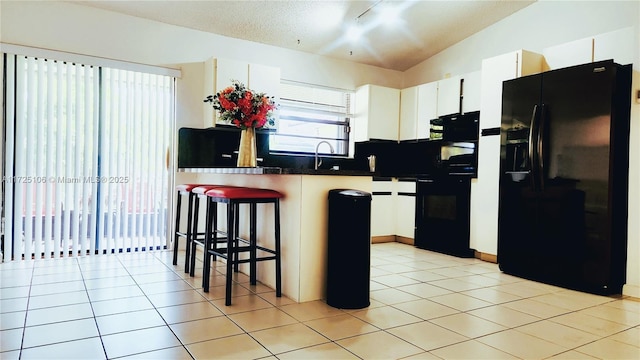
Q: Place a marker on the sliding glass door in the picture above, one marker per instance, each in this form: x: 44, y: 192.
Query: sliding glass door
x: 85, y: 165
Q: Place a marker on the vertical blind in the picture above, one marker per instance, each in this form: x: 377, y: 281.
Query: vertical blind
x: 85, y: 159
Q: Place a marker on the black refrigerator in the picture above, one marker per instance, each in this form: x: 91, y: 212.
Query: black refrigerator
x: 564, y: 164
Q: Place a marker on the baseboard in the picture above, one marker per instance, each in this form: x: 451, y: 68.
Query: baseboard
x: 410, y: 241
x: 486, y: 257
x: 405, y: 240
x: 391, y: 238
x: 383, y: 239
x: 631, y: 292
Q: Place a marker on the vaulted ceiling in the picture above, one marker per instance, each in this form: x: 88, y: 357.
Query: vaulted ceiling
x: 422, y: 29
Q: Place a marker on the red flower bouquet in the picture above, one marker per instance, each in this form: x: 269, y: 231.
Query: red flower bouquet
x: 243, y: 107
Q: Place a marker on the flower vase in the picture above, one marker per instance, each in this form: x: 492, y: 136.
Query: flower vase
x: 247, y: 152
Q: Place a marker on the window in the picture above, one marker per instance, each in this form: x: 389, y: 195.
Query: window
x: 85, y: 169
x: 309, y: 115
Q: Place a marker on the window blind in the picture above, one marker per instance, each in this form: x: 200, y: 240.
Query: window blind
x: 308, y: 115
x: 85, y: 159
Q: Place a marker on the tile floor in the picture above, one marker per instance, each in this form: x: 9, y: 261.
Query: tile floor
x: 424, y: 306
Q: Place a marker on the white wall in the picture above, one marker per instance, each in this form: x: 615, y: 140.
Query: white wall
x: 542, y: 25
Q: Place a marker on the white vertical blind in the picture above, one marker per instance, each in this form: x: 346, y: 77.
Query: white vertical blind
x: 85, y: 159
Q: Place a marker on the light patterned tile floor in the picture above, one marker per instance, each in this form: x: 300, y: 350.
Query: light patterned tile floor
x: 424, y: 305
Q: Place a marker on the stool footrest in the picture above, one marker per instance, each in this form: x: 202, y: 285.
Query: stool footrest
x: 222, y: 252
x: 244, y: 261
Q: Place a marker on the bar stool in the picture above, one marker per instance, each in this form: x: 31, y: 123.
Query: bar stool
x: 183, y: 190
x: 198, y: 193
x: 234, y: 197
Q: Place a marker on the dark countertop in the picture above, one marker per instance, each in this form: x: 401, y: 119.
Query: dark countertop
x: 275, y: 171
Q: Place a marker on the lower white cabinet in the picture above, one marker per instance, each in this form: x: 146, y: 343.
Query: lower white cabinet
x: 383, y: 203
x: 406, y: 208
x: 393, y: 208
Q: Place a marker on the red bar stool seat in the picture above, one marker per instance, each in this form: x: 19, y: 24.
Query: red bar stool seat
x: 188, y: 234
x: 234, y: 197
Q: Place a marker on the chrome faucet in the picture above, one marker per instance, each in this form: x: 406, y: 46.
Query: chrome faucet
x: 319, y: 161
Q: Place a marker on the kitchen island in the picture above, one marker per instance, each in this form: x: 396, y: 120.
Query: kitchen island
x: 303, y: 212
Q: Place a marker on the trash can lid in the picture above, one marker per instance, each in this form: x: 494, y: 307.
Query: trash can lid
x: 349, y: 193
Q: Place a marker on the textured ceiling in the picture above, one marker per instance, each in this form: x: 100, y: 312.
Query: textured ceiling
x: 425, y: 27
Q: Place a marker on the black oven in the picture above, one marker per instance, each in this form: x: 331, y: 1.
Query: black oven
x: 442, y: 215
x: 459, y: 158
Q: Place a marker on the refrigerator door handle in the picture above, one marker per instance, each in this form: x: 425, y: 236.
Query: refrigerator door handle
x: 541, y: 130
x: 532, y: 128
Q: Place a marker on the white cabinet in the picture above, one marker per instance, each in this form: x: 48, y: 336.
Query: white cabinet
x: 449, y: 96
x: 264, y: 79
x: 427, y: 108
x: 418, y: 105
x: 471, y: 91
x: 227, y: 70
x: 568, y: 54
x: 220, y: 73
x: 408, y: 114
x: 383, y: 204
x: 494, y: 71
x: 377, y: 111
x: 405, y: 209
x: 611, y: 45
x: 615, y: 45
x: 484, y: 189
x: 425, y: 102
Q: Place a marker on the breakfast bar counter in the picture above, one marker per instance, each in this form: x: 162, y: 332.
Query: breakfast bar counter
x: 304, y: 214
x: 275, y: 171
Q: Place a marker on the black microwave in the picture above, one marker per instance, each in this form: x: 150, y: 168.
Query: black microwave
x: 461, y: 127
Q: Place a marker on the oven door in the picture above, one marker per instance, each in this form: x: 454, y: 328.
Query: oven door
x: 442, y: 215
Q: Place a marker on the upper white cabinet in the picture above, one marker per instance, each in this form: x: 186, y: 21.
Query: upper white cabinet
x: 471, y: 91
x: 220, y: 73
x: 449, y: 96
x: 497, y: 69
x: 377, y: 111
x: 418, y: 105
x: 611, y: 45
x: 408, y: 113
x: 427, y: 108
x: 227, y: 70
x: 264, y: 79
x: 615, y: 45
x: 568, y: 54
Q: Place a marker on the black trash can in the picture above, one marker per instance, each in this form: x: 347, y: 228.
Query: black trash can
x: 349, y: 249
